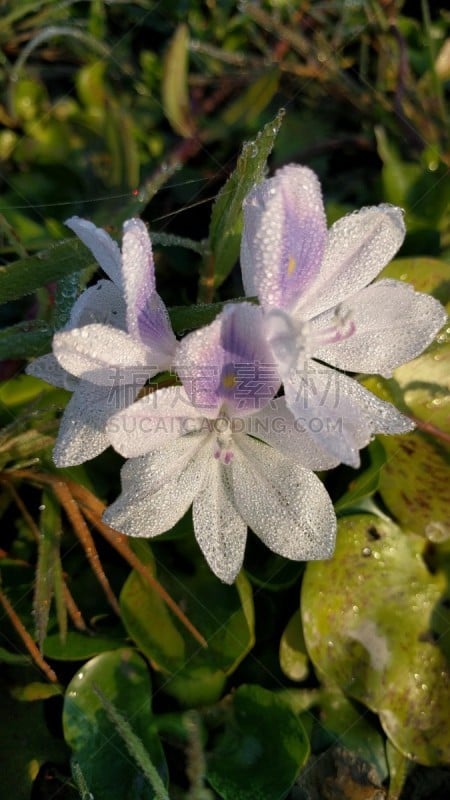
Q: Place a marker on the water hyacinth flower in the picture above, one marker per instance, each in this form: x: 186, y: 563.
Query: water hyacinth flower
x: 320, y: 310
x: 118, y: 336
x: 222, y: 443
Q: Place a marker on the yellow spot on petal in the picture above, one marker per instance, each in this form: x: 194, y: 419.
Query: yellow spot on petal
x: 229, y: 381
x: 291, y: 265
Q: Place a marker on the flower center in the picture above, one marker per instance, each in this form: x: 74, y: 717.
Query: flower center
x: 224, y: 439
x: 292, y: 340
x: 342, y: 328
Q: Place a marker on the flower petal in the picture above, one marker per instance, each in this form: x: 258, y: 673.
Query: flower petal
x: 101, y: 303
x: 138, y: 512
x: 147, y: 315
x: 162, y: 465
x: 276, y: 426
x: 47, y: 368
x: 228, y: 363
x: 155, y: 421
x: 104, y: 249
x: 220, y: 531
x: 284, y: 237
x: 338, y: 412
x: 82, y: 428
x: 359, y: 246
x: 285, y: 505
x: 104, y: 355
x: 393, y: 324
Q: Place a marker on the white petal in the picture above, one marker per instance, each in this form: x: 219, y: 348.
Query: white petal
x: 393, y: 324
x: 47, y: 368
x: 154, y: 421
x: 104, y: 355
x: 337, y: 412
x: 284, y: 236
x: 100, y: 303
x: 285, y: 505
x: 104, y: 249
x: 276, y: 426
x: 220, y: 531
x: 82, y: 428
x: 160, y: 466
x: 140, y: 513
x: 359, y: 246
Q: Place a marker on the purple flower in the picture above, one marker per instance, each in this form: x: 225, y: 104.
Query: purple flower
x: 319, y: 309
x: 223, y: 443
x: 118, y: 336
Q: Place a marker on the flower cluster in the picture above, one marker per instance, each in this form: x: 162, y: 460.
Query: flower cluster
x: 259, y: 398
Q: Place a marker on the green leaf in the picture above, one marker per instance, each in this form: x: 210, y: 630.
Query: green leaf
x: 223, y: 614
x: 22, y: 277
x: 253, y: 101
x: 226, y: 218
x: 365, y: 484
x: 25, y: 340
x: 109, y: 772
x: 188, y: 318
x: 369, y: 625
x: 17, y: 659
x: 48, y: 569
x: 343, y: 721
x: 79, y: 646
x: 414, y: 480
x: 134, y: 746
x: 262, y: 749
x: 175, y: 95
x: 36, y: 691
x: 293, y: 655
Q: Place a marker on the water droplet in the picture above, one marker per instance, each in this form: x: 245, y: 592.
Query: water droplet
x: 41, y: 507
x: 366, y: 551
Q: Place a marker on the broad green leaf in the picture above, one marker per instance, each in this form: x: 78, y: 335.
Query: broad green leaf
x: 431, y: 275
x: 22, y: 277
x: 414, y: 480
x: 226, y: 218
x: 79, y: 646
x: 223, y: 614
x: 293, y: 656
x: 134, y: 746
x: 175, y: 95
x: 414, y: 484
x: 343, y: 722
x: 108, y: 769
x: 261, y: 750
x: 369, y: 624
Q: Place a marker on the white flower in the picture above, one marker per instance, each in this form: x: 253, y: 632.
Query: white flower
x: 118, y: 336
x: 223, y: 444
x: 319, y: 309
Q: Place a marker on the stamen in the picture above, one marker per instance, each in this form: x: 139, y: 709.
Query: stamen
x: 343, y: 328
x: 224, y: 440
